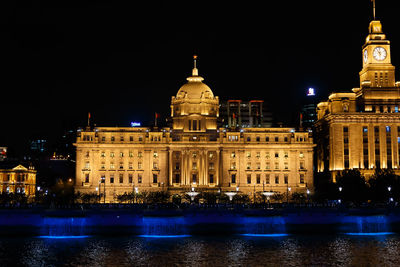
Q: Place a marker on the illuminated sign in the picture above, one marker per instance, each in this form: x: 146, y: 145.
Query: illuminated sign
x: 135, y: 124
x: 310, y: 92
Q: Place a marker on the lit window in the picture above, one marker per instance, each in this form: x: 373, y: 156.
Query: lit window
x: 155, y: 154
x: 248, y: 154
x: 267, y: 165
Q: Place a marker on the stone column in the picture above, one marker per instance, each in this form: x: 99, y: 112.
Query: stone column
x: 218, y: 167
x: 170, y: 166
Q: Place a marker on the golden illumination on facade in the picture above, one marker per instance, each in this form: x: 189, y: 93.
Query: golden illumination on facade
x: 193, y: 153
x: 361, y: 129
x: 18, y: 179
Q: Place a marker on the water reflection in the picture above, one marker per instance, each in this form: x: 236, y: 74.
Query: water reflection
x: 203, y: 251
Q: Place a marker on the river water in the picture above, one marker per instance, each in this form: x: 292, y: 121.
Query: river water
x: 235, y: 250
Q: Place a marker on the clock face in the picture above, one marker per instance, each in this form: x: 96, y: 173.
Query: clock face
x: 365, y: 56
x: 380, y: 53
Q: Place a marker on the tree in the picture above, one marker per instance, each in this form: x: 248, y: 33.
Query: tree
x: 325, y: 189
x: 381, y: 181
x: 354, y: 186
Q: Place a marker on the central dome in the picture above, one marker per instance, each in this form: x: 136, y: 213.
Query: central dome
x: 195, y: 88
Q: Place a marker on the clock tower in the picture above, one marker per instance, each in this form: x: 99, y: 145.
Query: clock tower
x: 377, y: 69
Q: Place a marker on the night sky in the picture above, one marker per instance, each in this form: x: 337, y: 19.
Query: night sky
x: 123, y: 60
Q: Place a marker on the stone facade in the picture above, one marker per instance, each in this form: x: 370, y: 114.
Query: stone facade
x: 361, y: 129
x: 193, y: 153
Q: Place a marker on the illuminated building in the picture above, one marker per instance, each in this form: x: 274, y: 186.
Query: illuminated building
x: 16, y: 178
x: 308, y: 114
x: 193, y: 153
x: 245, y: 114
x: 361, y: 129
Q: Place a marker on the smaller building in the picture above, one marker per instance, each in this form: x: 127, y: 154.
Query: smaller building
x: 16, y: 178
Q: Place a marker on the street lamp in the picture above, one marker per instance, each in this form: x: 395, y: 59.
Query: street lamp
x: 340, y: 190
x: 390, y: 198
x: 287, y: 196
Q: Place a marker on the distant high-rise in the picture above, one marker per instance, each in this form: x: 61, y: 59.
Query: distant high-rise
x: 245, y: 114
x: 308, y: 113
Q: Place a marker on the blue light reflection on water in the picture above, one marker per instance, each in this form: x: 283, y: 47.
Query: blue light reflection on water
x: 63, y: 236
x: 370, y: 234
x: 164, y: 236
x: 264, y: 235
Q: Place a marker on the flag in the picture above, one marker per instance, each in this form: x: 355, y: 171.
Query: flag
x: 89, y: 115
x: 233, y: 115
x: 157, y: 115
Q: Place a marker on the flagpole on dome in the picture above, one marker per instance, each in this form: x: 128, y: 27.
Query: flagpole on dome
x: 195, y: 71
x: 88, y: 120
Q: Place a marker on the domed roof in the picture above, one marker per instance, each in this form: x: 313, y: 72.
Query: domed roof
x: 195, y: 88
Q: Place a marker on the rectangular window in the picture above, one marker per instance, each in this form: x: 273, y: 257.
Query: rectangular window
x: 155, y: 178
x: 139, y: 165
x: 140, y: 154
x: 177, y: 178
x: 121, y: 178
x: 365, y: 147
x: 121, y: 165
x: 377, y: 147
x: 130, y: 138
x: 130, y: 177
x: 139, y: 178
x: 211, y: 178
x: 248, y: 165
x: 276, y: 165
x: 87, y: 178
x: 301, y: 178
x: 276, y: 178
x: 389, y: 147
x: 130, y: 165
x: 194, y: 178
x: 111, y: 179
x: 233, y: 178
x: 211, y: 166
x: 194, y: 166
x: 155, y: 165
x: 248, y: 178
x: 286, y: 164
x: 286, y: 178
x: 267, y: 165
x: 267, y: 180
